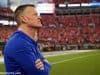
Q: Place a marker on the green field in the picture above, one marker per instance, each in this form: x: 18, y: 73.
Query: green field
x: 87, y: 63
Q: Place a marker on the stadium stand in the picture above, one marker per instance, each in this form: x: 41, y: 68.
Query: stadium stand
x: 5, y: 32
x: 73, y: 1
x: 60, y: 30
x: 64, y: 29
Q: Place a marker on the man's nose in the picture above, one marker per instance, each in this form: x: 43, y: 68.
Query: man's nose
x: 39, y: 17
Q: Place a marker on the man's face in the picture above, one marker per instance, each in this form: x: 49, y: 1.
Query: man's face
x: 31, y: 17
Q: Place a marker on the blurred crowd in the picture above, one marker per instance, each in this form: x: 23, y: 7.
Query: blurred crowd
x: 65, y: 29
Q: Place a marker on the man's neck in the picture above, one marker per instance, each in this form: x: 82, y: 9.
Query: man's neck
x: 31, y: 32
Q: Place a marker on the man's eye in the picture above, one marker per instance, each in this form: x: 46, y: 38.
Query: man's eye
x: 35, y: 14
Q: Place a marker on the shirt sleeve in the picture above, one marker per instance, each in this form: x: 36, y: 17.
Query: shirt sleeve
x: 26, y: 59
x: 47, y: 68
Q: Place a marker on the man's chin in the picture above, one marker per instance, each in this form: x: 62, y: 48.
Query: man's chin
x: 39, y: 26
x: 36, y: 26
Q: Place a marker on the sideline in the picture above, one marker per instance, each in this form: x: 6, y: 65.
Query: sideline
x: 72, y: 59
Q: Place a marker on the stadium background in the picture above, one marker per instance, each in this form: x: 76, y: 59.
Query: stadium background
x: 67, y: 25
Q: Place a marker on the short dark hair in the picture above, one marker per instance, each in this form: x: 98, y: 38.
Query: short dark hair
x: 19, y: 10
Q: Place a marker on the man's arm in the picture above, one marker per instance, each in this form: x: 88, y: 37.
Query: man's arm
x: 30, y: 63
x: 26, y: 60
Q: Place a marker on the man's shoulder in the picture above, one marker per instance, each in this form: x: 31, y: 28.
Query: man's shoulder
x: 19, y: 41
x: 16, y: 40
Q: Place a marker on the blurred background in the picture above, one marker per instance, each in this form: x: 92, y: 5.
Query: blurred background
x: 67, y: 24
x: 69, y: 38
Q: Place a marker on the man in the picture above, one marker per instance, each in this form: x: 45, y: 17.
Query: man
x: 22, y: 54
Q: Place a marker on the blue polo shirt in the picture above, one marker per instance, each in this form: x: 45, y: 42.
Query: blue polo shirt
x: 20, y: 54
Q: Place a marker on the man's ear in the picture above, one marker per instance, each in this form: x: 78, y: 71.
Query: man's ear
x: 24, y: 19
x: 27, y: 18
